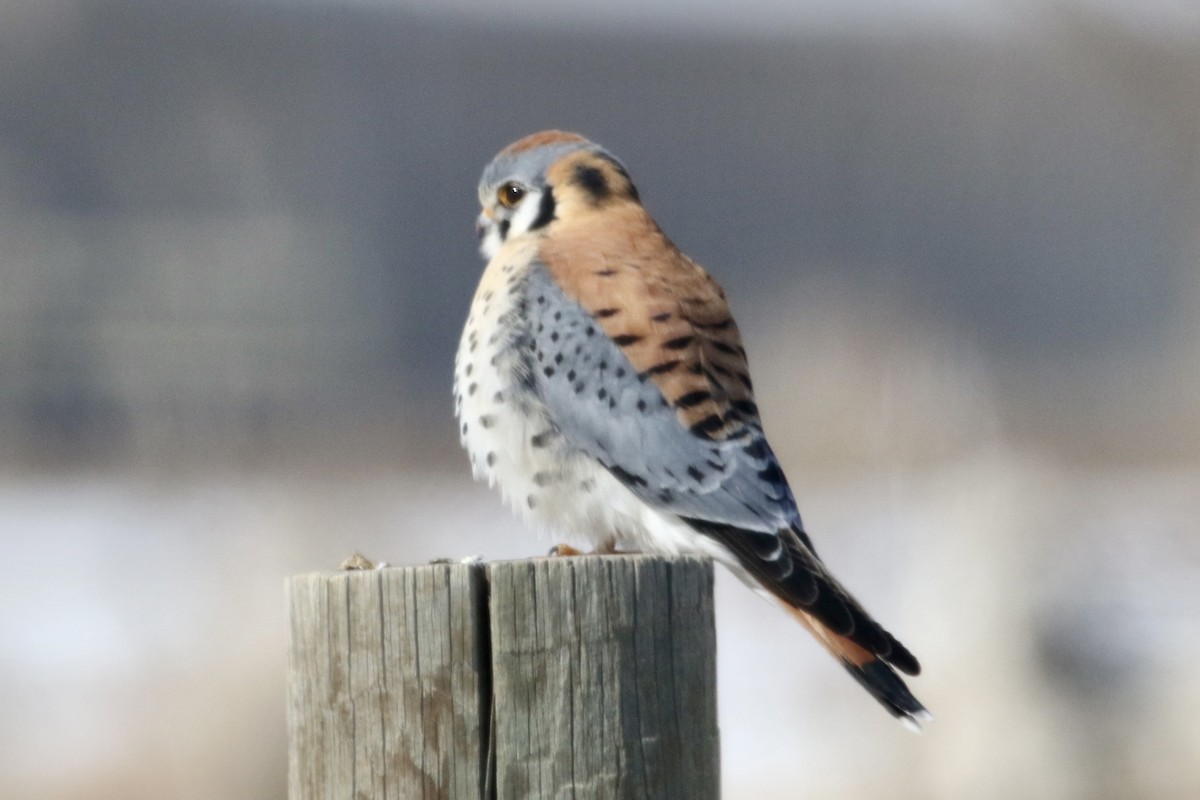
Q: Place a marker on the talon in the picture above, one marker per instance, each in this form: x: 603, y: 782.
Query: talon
x: 564, y: 550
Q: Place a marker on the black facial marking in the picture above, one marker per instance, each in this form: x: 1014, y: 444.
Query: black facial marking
x: 503, y: 226
x: 593, y: 182
x: 545, y: 213
x: 630, y: 189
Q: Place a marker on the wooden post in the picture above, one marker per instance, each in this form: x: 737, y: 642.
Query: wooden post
x: 589, y: 677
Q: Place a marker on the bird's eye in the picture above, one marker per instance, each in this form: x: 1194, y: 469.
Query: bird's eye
x: 510, y: 194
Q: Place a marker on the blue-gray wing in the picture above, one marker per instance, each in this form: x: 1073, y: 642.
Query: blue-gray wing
x: 603, y: 406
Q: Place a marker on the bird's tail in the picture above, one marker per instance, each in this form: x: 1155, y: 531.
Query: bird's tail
x: 872, y: 672
x: 786, y: 566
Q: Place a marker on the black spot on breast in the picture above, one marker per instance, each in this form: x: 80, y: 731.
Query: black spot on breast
x: 592, y: 181
x: 554, y: 336
x: 665, y: 495
x: 491, y: 459
x: 470, y: 368
x: 696, y: 474
x: 641, y: 406
x: 579, y: 387
x: 558, y: 358
x: 531, y: 501
x: 474, y: 387
x: 548, y: 371
x: 620, y: 372
x: 541, y: 439
x: 590, y: 331
x: 603, y: 393
x: 498, y: 397
x: 487, y: 421
x: 542, y: 478
x: 571, y: 375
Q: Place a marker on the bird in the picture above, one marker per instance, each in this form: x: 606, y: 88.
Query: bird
x: 602, y: 385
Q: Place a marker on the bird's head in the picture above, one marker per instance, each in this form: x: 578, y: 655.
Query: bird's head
x: 542, y: 180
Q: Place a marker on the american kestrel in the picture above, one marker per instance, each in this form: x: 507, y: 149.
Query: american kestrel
x: 601, y: 383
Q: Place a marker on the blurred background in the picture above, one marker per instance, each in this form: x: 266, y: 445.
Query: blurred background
x: 962, y: 239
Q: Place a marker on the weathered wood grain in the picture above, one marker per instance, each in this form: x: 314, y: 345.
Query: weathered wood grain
x: 388, y: 683
x: 604, y: 678
x: 590, y: 677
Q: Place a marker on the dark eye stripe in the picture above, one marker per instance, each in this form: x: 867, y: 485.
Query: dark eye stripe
x: 545, y: 213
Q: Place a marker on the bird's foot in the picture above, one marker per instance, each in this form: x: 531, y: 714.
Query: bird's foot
x: 608, y: 547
